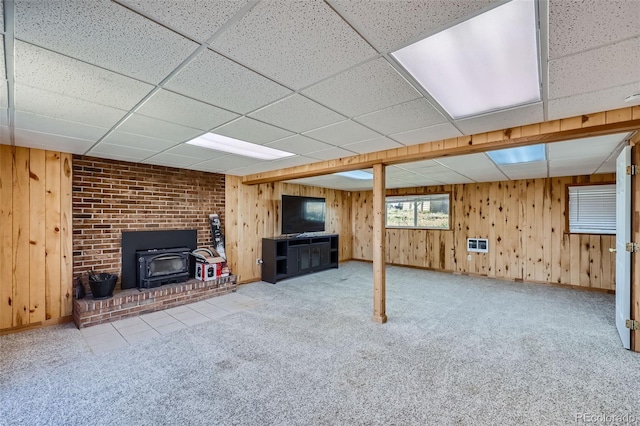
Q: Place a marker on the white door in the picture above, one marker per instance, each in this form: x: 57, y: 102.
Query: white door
x: 623, y: 236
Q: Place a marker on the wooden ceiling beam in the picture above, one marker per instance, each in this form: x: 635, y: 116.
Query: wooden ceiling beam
x: 584, y: 126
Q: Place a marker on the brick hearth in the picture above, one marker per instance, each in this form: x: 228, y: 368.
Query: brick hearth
x: 133, y: 302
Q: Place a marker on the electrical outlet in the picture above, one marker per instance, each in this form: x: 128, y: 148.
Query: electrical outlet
x: 469, y: 257
x: 258, y: 261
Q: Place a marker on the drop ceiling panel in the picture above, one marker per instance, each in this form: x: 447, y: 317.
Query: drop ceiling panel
x: 282, y: 163
x: 450, y: 178
x: 343, y: 133
x: 297, y: 114
x: 369, y: 87
x: 169, y: 106
x: 389, y: 25
x: 50, y: 142
x: 371, y: 145
x: 575, y: 25
x: 158, y: 129
x: 44, y: 69
x: 197, y: 152
x: 62, y: 107
x: 571, y: 171
x: 525, y: 171
x: 423, y: 166
x: 485, y: 175
x: 586, y: 165
x: 138, y: 141
x: 398, y: 173
x: 427, y: 134
x: 277, y: 38
x: 4, y: 121
x: 410, y: 115
x: 586, y: 103
x: 226, y: 162
x: 119, y: 152
x: 165, y: 159
x: 299, y: 144
x: 463, y: 163
x: 330, y: 154
x: 4, y: 101
x: 250, y: 130
x: 598, y: 69
x: 501, y: 120
x: 42, y: 124
x: 199, y: 19
x: 601, y: 146
x: 3, y: 66
x: 214, y: 79
x: 608, y: 167
x: 103, y: 33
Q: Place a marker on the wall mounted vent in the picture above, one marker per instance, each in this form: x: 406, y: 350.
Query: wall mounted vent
x: 478, y: 245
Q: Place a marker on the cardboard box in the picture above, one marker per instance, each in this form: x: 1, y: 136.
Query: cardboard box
x: 209, y: 268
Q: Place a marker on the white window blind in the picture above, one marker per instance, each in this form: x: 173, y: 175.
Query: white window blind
x: 592, y: 209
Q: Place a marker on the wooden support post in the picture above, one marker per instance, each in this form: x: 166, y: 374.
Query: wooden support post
x: 379, y: 290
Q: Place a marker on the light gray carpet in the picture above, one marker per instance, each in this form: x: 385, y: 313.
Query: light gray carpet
x: 456, y: 350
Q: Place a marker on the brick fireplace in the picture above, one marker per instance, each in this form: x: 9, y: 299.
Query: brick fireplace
x: 111, y: 197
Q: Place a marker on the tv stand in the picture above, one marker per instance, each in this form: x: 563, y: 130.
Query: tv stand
x: 289, y: 256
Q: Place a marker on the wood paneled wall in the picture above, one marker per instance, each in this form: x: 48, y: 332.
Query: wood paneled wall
x: 35, y: 236
x: 253, y: 212
x: 524, y: 221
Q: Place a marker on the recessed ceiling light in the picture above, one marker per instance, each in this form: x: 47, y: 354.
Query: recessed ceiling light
x: 236, y: 146
x: 487, y: 63
x: 524, y: 154
x: 356, y: 174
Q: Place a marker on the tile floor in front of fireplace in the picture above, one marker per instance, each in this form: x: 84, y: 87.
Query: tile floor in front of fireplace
x: 107, y: 337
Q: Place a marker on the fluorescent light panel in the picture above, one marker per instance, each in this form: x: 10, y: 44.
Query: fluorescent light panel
x: 487, y: 63
x: 236, y: 146
x: 525, y: 154
x: 356, y: 174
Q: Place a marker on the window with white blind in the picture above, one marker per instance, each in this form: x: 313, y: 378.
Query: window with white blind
x: 592, y: 209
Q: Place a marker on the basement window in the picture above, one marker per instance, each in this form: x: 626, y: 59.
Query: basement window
x: 418, y: 211
x: 592, y: 209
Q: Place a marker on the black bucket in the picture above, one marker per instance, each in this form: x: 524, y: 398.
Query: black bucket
x: 102, y: 285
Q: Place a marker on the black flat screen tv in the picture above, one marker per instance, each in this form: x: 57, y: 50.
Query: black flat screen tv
x: 302, y: 214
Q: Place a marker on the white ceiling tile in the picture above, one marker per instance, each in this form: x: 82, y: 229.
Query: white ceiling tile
x: 397, y: 172
x: 138, y: 141
x: 165, y: 159
x: 608, y: 167
x: 557, y: 171
x: 372, y: 145
x: 576, y: 25
x: 5, y: 138
x: 226, y: 162
x: 586, y: 103
x: 525, y: 171
x: 451, y: 178
x: 179, y: 109
x: 4, y: 101
x: 3, y: 73
x: 212, y: 78
x: 330, y: 154
x: 485, y: 176
x: 501, y: 120
x: 119, y: 152
x: 2, y: 17
x: 369, y: 87
x: 4, y: 117
x: 391, y: 24
x: 249, y: 130
x: 277, y: 37
x: 103, y: 33
x: 50, y: 142
x: 427, y: 134
x: 597, y: 69
x: 193, y: 151
x: 297, y: 113
x: 601, y: 146
x: 199, y: 19
x: 404, y: 117
x: 588, y: 163
x: 423, y: 165
x: 269, y: 165
x: 462, y: 163
x: 158, y: 129
x: 41, y: 102
x: 298, y: 144
x: 342, y: 133
x: 44, y: 69
x: 42, y: 124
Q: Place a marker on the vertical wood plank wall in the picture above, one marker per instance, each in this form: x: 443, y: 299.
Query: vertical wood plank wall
x: 524, y: 221
x: 253, y: 212
x: 35, y: 236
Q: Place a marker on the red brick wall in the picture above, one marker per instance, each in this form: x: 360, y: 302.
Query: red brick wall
x: 113, y: 196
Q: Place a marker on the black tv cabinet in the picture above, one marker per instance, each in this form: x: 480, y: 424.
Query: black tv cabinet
x: 285, y: 257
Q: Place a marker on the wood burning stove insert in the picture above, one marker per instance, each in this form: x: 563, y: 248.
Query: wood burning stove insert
x: 157, y: 267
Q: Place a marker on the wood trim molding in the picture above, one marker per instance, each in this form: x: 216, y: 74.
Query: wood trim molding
x: 602, y: 123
